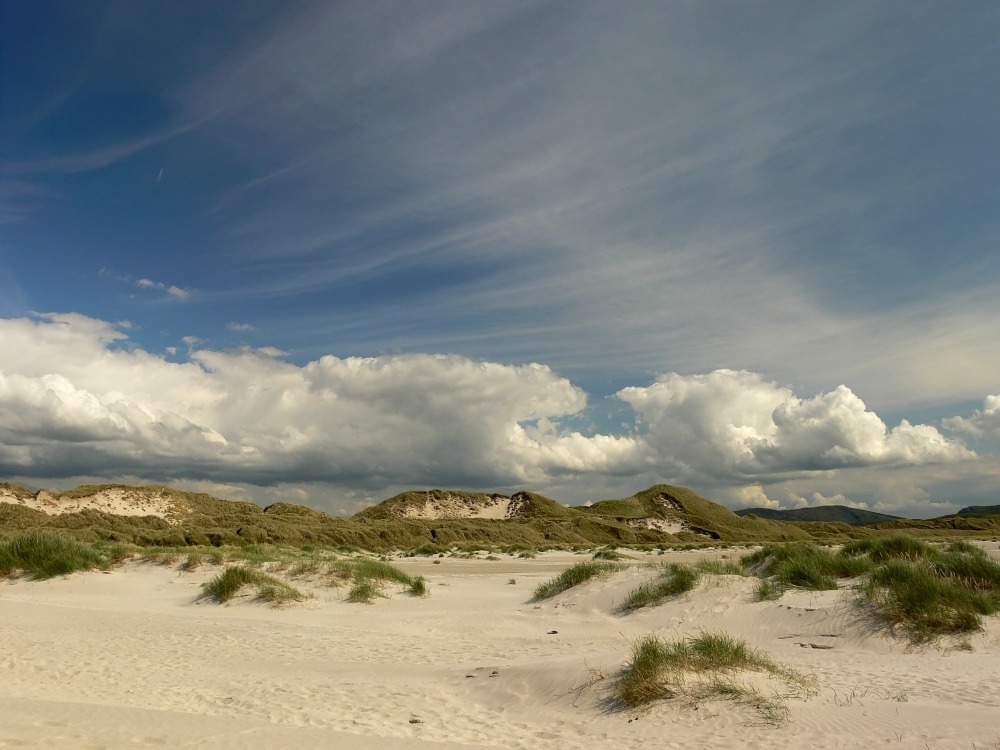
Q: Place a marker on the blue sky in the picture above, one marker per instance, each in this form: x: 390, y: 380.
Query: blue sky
x: 574, y: 247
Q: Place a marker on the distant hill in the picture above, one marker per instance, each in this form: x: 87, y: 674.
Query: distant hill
x: 825, y: 513
x: 980, y: 510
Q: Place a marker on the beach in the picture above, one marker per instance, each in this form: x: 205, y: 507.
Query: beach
x: 136, y: 657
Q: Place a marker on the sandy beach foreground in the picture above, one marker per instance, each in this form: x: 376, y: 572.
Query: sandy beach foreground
x: 135, y: 658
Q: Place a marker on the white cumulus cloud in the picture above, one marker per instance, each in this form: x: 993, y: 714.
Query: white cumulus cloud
x: 736, y: 424
x: 76, y: 399
x: 70, y: 399
x: 984, y: 422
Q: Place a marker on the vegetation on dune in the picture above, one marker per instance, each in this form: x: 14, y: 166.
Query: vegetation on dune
x: 365, y: 592
x: 675, y: 580
x: 231, y: 581
x: 199, y: 520
x: 699, y: 669
x: 574, y: 576
x: 703, y: 518
x: 720, y: 568
x: 608, y: 553
x: 801, y: 565
x: 40, y: 555
x: 947, y: 591
x: 925, y: 591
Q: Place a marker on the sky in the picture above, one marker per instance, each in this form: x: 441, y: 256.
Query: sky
x: 323, y: 252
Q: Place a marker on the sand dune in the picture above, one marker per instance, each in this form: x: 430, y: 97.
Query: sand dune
x: 119, y: 500
x: 133, y: 658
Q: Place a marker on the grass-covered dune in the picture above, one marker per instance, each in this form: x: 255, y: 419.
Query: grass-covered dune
x: 699, y: 515
x: 663, y: 515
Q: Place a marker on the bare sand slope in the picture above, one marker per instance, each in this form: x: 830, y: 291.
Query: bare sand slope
x: 133, y: 659
x: 118, y: 500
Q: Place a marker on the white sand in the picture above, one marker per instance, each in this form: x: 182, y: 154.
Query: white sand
x: 132, y: 659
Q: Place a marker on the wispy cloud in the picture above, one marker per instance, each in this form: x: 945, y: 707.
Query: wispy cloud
x: 693, y: 185
x: 173, y: 291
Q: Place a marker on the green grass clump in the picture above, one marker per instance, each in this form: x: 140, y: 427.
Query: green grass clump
x: 379, y: 570
x: 899, y: 546
x: 963, y: 547
x: 235, y: 578
x: 699, y: 669
x: 369, y: 576
x: 42, y: 556
x: 802, y: 565
x: 574, y: 576
x: 678, y: 579
x: 365, y: 592
x: 948, y: 593
x: 768, y: 590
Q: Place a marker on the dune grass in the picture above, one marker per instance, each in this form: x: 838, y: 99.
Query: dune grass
x: 366, y: 591
x: 574, y: 576
x: 924, y: 591
x: 898, y: 546
x: 699, y: 669
x: 608, y: 553
x: 935, y: 594
x: 368, y: 578
x: 39, y: 555
x: 802, y: 565
x: 676, y: 580
x: 720, y: 568
x: 231, y: 581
